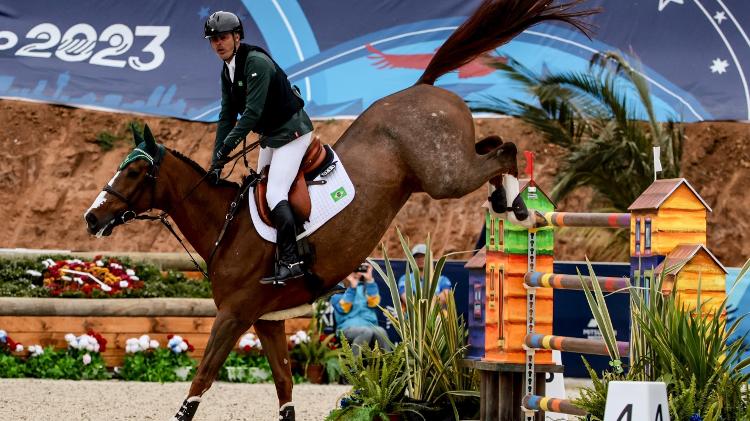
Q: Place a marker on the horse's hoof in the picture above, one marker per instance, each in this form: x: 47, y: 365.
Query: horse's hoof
x: 498, y: 201
x: 286, y: 412
x: 188, y: 409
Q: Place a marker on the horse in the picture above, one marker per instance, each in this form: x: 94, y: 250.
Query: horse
x: 420, y: 139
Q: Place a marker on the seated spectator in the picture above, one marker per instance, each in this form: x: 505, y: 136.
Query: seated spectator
x: 355, y: 311
x: 444, y: 284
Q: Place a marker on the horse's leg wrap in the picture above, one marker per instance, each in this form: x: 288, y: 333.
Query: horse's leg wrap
x: 286, y: 412
x: 515, y: 202
x: 187, y: 410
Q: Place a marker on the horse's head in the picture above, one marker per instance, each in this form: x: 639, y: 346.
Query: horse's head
x: 131, y: 190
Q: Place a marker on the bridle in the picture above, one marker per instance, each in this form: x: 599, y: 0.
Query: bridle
x: 153, y: 173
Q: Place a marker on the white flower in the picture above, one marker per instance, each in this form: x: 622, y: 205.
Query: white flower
x: 130, y: 272
x: 86, y: 359
x: 79, y: 280
x: 70, y: 338
x: 134, y: 278
x: 100, y: 263
x: 143, y: 341
x: 33, y: 272
x: 36, y: 350
x: 177, y: 350
x: 124, y: 284
x: 3, y: 335
x: 175, y: 341
x: 89, y: 347
x: 183, y: 346
x: 66, y: 278
x: 153, y: 344
x: 19, y: 348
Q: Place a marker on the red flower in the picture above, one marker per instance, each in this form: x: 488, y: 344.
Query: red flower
x: 247, y: 348
x: 98, y: 257
x: 170, y: 336
x: 191, y: 348
x: 99, y: 339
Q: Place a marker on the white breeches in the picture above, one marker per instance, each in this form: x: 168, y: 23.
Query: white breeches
x: 285, y: 162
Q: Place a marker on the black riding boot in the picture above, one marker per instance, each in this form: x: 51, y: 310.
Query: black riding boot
x: 187, y: 410
x: 288, y: 265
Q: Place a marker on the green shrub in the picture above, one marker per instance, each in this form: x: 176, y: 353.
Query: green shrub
x: 66, y: 364
x: 157, y: 365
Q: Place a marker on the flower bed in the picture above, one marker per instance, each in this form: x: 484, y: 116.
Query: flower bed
x: 98, y: 277
x: 46, y: 321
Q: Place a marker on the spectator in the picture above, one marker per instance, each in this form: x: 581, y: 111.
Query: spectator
x: 355, y: 310
x: 444, y: 284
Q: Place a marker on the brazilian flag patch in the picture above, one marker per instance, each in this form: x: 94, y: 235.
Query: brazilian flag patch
x: 338, y: 194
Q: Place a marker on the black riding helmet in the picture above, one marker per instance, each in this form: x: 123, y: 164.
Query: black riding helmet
x: 220, y: 22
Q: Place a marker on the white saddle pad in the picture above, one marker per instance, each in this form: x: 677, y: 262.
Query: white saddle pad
x: 327, y: 200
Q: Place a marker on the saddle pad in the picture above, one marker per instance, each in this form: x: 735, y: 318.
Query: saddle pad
x: 327, y: 200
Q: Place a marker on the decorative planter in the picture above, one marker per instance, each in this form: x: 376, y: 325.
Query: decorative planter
x: 314, y: 373
x: 45, y: 321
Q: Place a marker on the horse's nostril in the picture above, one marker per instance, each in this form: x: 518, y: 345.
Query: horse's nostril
x: 91, y: 219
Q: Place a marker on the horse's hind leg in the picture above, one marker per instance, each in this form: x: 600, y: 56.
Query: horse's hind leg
x: 226, y: 330
x: 273, y: 338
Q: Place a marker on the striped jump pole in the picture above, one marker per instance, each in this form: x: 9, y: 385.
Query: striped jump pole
x: 543, y: 403
x: 558, y: 281
x: 581, y: 219
x: 568, y: 344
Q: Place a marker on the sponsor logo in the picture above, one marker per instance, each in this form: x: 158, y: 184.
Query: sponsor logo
x: 328, y: 170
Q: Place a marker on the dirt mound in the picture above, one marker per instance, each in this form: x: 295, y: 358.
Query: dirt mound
x: 55, y: 161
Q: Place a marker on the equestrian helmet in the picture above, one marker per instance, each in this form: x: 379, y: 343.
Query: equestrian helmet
x: 221, y: 22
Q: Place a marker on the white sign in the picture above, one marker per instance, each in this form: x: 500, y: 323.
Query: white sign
x: 636, y: 401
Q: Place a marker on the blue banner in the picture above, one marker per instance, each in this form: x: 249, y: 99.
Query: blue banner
x: 151, y: 57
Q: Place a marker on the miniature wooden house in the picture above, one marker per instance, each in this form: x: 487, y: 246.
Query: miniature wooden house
x: 670, y: 212
x: 507, y: 261
x: 688, y: 268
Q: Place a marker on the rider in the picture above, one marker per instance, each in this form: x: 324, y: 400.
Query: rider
x: 256, y: 88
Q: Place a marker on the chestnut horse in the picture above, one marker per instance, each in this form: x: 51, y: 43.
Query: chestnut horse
x: 420, y: 139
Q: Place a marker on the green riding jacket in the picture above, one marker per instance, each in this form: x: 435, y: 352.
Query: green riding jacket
x: 267, y: 94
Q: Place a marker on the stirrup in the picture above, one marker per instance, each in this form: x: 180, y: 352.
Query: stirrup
x: 277, y: 280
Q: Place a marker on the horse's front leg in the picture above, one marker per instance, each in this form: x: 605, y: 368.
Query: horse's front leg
x: 273, y: 338
x: 226, y: 330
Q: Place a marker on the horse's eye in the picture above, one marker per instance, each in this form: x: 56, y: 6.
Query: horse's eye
x: 133, y: 173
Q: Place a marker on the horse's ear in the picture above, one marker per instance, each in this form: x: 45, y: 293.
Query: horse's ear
x: 149, y: 138
x: 137, y: 139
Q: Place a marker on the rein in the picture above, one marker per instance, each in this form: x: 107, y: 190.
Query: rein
x: 152, y: 175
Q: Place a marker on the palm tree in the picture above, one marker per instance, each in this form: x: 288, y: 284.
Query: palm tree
x: 605, y: 119
x: 598, y: 117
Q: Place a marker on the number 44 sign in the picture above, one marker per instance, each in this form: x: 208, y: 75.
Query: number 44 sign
x: 636, y: 401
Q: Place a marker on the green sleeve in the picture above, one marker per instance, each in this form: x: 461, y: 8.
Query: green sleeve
x: 226, y: 120
x: 258, y: 72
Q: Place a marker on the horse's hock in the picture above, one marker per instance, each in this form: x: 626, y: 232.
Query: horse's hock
x: 46, y: 321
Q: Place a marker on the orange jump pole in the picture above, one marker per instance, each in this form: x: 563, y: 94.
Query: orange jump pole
x: 581, y: 219
x: 568, y: 344
x: 557, y: 281
x: 543, y: 403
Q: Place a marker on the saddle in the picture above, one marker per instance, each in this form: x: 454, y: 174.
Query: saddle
x: 317, y: 159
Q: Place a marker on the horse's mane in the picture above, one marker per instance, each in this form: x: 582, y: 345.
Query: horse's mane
x: 201, y: 170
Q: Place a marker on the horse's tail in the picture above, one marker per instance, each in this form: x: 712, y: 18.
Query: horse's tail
x: 494, y: 23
